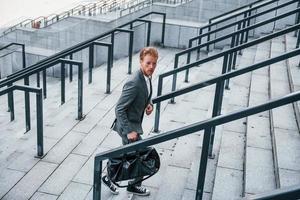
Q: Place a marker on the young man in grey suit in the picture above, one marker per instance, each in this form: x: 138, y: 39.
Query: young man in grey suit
x: 134, y: 101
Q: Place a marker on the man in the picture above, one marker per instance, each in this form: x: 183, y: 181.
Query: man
x: 134, y: 101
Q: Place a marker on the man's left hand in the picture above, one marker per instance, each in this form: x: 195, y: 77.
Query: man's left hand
x: 149, y: 109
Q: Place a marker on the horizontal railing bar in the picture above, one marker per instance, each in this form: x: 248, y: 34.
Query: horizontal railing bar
x: 243, y: 20
x: 234, y: 49
x: 25, y: 72
x: 235, y: 15
x: 240, y: 8
x: 20, y: 87
x: 185, y: 130
x: 11, y: 44
x: 225, y: 76
x: 291, y: 192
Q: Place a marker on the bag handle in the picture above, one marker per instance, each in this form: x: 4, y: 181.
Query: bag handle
x: 122, y: 186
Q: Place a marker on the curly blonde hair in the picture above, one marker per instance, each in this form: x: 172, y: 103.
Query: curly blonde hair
x: 148, y: 51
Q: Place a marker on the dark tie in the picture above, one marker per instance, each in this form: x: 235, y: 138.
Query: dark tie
x: 150, y: 93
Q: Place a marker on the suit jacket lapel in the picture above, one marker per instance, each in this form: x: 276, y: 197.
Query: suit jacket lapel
x: 144, y: 85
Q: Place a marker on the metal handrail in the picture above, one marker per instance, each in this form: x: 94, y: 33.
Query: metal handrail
x: 250, y: 5
x: 234, y: 41
x: 78, y: 9
x: 23, y: 52
x: 226, y: 56
x: 245, y: 13
x: 67, y: 52
x: 226, y: 76
x: 39, y: 111
x: 243, y: 20
x: 219, y: 55
x: 205, y: 125
x: 291, y: 193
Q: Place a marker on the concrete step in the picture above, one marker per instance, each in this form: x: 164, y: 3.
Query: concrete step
x: 259, y: 166
x: 229, y: 165
x: 81, y: 131
x: 286, y: 132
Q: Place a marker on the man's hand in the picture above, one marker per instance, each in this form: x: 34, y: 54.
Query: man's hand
x: 132, y: 136
x: 149, y: 109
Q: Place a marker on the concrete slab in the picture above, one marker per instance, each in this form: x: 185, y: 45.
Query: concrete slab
x: 169, y: 190
x: 43, y: 196
x: 60, y: 179
x: 232, y: 150
x: 28, y: 185
x: 258, y: 132
x: 288, y: 149
x: 259, y: 173
x: 233, y: 187
x: 63, y: 148
x: 75, y: 191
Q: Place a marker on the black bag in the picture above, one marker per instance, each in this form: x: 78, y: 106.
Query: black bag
x: 143, y: 163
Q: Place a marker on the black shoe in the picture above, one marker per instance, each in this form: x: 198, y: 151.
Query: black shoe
x: 138, y: 190
x: 109, y: 184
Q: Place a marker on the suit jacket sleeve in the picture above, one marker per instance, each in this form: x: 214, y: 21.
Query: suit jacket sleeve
x: 128, y: 95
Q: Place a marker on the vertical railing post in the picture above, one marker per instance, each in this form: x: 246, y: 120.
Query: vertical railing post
x: 208, y: 35
x: 39, y: 123
x: 203, y: 164
x: 163, y: 30
x: 130, y: 52
x: 243, y: 33
x: 9, y: 97
x: 38, y: 79
x: 236, y: 44
x: 62, y: 85
x: 27, y: 105
x: 71, y: 68
x: 248, y: 24
x: 148, y: 34
x: 11, y: 105
x: 112, y: 41
x: 157, y: 108
x: 80, y: 91
x: 44, y: 83
x: 109, y: 65
x: 199, y: 42
x: 217, y: 104
x: 91, y: 62
x: 298, y: 39
x: 174, y: 77
x: 97, y: 178
x: 297, y: 18
x: 23, y: 56
x: 230, y: 61
x: 186, y: 79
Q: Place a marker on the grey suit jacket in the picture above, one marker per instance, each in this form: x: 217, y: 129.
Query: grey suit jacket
x: 131, y: 105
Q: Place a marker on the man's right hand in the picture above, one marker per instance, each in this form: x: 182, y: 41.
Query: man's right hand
x: 132, y: 136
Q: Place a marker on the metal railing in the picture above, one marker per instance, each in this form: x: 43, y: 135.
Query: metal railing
x: 239, y: 24
x: 244, y: 11
x: 58, y: 58
x: 43, y: 21
x: 226, y: 56
x: 86, y: 44
x: 242, y: 8
x: 290, y: 193
x: 39, y: 111
x: 195, y: 127
x: 23, y: 52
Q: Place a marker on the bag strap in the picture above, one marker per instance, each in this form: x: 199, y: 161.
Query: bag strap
x: 122, y: 186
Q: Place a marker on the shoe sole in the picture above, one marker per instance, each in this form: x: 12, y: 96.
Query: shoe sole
x: 115, y: 193
x: 139, y: 194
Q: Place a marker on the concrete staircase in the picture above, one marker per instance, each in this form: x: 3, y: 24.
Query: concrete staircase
x: 252, y: 155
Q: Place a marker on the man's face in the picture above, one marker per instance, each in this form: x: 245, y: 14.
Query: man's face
x: 148, y: 65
